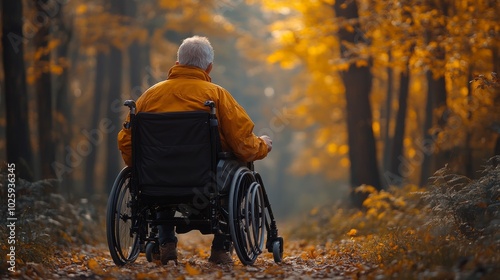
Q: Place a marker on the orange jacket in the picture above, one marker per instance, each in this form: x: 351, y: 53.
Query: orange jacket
x: 186, y: 89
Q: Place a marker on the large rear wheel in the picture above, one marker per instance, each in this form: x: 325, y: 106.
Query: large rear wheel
x: 247, y: 216
x: 122, y: 241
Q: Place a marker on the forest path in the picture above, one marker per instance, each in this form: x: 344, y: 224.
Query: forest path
x: 301, y: 261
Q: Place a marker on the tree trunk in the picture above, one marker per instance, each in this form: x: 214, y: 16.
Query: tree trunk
x: 114, y: 159
x: 496, y: 69
x: 400, y: 168
x: 63, y: 102
x: 428, y: 144
x: 43, y: 87
x: 469, y: 153
x: 435, y: 158
x: 115, y: 80
x: 358, y: 82
x: 18, y: 146
x: 436, y: 99
x: 135, y: 57
x: 101, y: 70
x: 387, y: 137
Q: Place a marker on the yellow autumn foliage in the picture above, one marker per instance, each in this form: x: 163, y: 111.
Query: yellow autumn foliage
x: 423, y: 36
x: 408, y: 231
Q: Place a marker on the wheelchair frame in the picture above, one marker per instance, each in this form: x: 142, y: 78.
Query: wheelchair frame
x: 243, y: 213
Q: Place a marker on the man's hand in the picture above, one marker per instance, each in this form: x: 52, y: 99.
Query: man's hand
x: 269, y: 142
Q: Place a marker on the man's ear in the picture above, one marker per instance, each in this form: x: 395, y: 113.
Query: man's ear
x: 209, y: 68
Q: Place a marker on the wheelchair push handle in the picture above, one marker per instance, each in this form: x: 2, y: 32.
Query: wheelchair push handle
x: 211, y: 104
x: 131, y: 105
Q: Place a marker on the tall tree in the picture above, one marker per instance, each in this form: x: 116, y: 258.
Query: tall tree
x: 19, y: 150
x: 496, y: 69
x: 357, y: 81
x: 468, y: 157
x: 64, y: 28
x: 436, y: 107
x: 397, y: 166
x: 100, y: 87
x: 43, y: 86
x: 400, y: 21
x: 135, y: 51
x: 387, y: 114
x: 436, y: 102
x: 437, y: 29
x: 117, y: 8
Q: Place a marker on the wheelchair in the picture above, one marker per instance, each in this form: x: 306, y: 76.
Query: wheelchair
x: 178, y: 166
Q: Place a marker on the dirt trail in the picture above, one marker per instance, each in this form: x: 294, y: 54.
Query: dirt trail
x: 301, y: 261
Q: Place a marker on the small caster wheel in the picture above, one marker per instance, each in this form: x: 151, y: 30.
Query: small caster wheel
x: 278, y: 250
x: 152, y: 251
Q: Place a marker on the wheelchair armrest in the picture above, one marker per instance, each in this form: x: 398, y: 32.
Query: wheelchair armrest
x: 231, y: 156
x: 226, y: 155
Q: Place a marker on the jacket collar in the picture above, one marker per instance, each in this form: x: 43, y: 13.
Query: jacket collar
x: 188, y: 72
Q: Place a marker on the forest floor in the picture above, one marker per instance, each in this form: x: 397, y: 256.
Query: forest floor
x: 301, y: 261
x: 440, y: 232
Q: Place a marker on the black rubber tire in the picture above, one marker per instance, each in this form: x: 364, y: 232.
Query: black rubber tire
x: 246, y: 216
x: 277, y: 251
x: 123, y: 245
x: 151, y: 249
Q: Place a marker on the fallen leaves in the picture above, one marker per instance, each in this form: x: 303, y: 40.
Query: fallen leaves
x: 93, y: 265
x: 343, y: 244
x: 344, y: 259
x: 191, y: 270
x: 353, y: 232
x: 301, y: 260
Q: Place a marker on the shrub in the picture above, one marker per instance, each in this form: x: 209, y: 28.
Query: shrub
x: 46, y: 222
x: 471, y: 206
x: 450, y: 230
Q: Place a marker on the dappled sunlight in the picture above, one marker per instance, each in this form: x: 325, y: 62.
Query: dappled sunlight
x: 383, y: 118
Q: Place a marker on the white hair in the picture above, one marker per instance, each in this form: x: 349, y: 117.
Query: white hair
x: 195, y: 51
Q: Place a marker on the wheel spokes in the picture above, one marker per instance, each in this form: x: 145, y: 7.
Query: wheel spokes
x: 127, y: 239
x: 254, y: 218
x: 248, y: 219
x: 122, y: 241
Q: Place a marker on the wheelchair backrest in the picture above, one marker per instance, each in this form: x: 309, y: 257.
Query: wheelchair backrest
x: 172, y: 153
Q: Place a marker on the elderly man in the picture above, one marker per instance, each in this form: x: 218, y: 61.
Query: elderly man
x: 187, y: 87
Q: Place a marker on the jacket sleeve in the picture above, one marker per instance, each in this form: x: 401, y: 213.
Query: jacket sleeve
x: 125, y: 143
x: 237, y: 128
